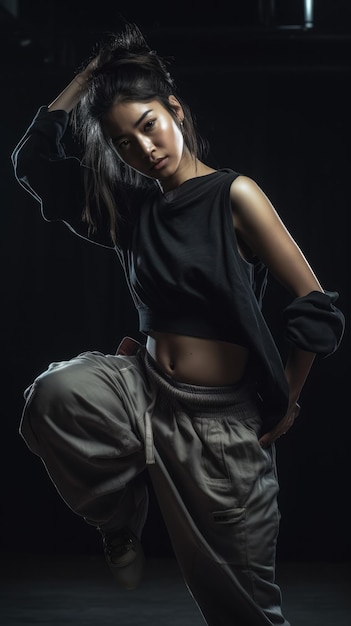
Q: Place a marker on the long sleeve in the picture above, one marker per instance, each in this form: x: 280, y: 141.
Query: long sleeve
x: 53, y: 179
x: 314, y: 323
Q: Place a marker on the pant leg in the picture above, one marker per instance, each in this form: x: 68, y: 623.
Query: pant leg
x: 217, y: 490
x: 85, y: 419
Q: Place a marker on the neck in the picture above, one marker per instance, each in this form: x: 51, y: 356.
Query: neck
x: 192, y: 170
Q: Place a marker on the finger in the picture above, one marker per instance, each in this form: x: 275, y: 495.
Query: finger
x: 266, y: 441
x: 268, y: 438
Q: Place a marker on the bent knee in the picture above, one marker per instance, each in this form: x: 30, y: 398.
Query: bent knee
x: 54, y: 394
x: 50, y: 401
x: 53, y: 387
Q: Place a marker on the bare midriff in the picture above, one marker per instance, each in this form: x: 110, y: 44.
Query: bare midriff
x: 198, y: 361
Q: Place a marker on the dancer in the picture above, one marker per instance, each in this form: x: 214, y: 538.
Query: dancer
x: 201, y: 403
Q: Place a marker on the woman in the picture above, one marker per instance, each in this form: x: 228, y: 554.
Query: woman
x: 202, y: 403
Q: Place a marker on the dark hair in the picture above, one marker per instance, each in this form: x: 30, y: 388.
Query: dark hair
x: 125, y: 69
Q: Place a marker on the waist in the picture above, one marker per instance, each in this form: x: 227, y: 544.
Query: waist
x: 197, y: 360
x: 206, y: 400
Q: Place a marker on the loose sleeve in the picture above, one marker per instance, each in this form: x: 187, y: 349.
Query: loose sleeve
x: 36, y: 153
x: 55, y: 180
x: 314, y: 323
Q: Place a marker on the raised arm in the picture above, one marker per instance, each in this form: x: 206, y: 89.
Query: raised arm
x: 71, y: 95
x: 43, y: 169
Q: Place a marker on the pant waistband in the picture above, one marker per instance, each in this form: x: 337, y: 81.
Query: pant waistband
x: 170, y: 392
x: 203, y: 397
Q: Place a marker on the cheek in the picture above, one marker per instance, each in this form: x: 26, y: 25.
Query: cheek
x: 177, y: 139
x: 171, y: 133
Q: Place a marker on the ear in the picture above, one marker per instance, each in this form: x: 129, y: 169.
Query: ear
x: 177, y: 107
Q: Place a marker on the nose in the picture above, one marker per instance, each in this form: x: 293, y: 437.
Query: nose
x: 146, y: 146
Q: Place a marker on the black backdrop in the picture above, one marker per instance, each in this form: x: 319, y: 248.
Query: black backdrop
x: 274, y: 103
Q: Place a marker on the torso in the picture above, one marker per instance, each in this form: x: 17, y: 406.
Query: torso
x: 195, y: 360
x: 198, y: 361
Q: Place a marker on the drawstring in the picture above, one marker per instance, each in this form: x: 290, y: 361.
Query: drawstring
x: 131, y: 347
x: 149, y: 436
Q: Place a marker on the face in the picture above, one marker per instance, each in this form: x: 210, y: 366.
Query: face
x: 147, y: 137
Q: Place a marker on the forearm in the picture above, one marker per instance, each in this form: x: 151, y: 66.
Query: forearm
x: 70, y: 96
x: 297, y: 368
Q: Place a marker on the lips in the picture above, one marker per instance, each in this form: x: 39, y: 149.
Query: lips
x: 159, y: 163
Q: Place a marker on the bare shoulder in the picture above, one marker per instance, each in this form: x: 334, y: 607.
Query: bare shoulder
x: 242, y: 183
x: 260, y: 228
x: 250, y: 205
x: 244, y: 190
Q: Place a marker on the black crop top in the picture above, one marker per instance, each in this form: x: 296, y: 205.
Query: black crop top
x: 183, y: 264
x: 181, y: 260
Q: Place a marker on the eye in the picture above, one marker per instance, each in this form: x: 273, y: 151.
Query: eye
x: 121, y: 145
x: 149, y: 125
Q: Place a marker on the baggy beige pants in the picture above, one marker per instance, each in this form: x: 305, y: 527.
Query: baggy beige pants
x: 98, y: 421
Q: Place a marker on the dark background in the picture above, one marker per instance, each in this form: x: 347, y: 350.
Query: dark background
x: 272, y: 95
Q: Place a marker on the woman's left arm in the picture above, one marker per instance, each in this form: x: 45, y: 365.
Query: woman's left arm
x: 260, y: 227
x: 262, y: 230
